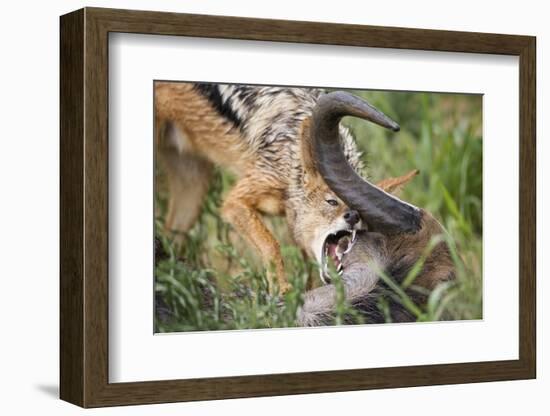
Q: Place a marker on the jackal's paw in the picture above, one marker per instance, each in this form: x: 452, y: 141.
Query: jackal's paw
x: 284, y: 287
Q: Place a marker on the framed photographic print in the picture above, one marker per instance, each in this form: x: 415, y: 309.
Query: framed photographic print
x: 260, y: 207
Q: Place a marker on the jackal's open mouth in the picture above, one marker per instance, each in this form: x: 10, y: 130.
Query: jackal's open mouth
x: 336, y: 245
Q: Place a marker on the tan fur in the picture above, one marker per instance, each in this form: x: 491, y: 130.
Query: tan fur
x: 208, y: 134
x: 394, y: 185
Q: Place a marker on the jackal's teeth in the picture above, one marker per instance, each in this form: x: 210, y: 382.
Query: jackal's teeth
x: 350, y: 245
x: 348, y: 249
x: 353, y: 235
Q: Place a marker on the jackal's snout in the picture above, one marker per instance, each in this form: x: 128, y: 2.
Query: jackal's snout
x: 352, y: 217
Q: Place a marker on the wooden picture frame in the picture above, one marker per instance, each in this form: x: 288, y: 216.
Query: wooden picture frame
x: 84, y: 207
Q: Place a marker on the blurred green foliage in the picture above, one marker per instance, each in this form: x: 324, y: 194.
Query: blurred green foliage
x: 217, y: 282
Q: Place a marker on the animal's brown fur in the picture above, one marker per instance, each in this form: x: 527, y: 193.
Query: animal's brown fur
x: 406, y: 250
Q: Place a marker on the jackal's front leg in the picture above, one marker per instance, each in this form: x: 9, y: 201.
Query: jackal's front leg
x: 239, y: 210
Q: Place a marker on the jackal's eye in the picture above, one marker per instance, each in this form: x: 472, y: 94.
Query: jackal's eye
x: 332, y: 202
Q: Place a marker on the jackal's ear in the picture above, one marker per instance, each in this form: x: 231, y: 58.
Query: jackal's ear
x: 308, y: 162
x: 394, y: 185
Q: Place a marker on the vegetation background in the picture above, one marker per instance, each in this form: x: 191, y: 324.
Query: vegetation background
x: 216, y: 282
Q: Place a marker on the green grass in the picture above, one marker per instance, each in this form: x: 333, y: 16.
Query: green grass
x: 216, y: 282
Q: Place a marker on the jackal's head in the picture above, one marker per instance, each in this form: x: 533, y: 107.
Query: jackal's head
x: 322, y: 224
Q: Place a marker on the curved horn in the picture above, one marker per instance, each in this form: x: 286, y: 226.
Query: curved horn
x: 381, y: 211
